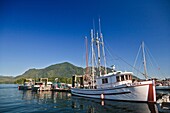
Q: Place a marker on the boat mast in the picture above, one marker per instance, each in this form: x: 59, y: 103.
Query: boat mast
x: 92, y: 40
x: 87, y: 71
x: 98, y: 50
x: 104, y: 57
x: 144, y: 61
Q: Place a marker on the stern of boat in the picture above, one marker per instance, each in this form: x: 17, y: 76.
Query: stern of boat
x: 151, y: 92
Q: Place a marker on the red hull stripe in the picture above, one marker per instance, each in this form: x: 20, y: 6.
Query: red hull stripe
x: 150, y: 93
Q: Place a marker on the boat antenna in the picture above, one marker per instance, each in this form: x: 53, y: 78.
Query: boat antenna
x: 104, y: 56
x: 144, y: 61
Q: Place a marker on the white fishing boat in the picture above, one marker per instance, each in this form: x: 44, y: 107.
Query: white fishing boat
x: 164, y: 85
x: 27, y: 85
x: 116, y: 85
x: 42, y: 85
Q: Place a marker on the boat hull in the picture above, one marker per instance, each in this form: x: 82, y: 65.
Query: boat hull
x: 163, y: 88
x: 141, y: 91
x: 41, y: 88
x: 22, y: 87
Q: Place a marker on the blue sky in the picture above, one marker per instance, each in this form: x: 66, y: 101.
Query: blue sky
x: 38, y: 33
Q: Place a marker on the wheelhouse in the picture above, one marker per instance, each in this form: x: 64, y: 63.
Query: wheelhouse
x: 113, y: 79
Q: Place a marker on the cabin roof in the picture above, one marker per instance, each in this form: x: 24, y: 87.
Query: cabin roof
x: 114, y: 74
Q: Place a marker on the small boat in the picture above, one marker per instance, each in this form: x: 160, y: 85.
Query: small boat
x: 116, y: 85
x: 61, y: 87
x: 164, y: 85
x: 42, y: 85
x: 163, y: 104
x: 163, y: 88
x: 27, y: 85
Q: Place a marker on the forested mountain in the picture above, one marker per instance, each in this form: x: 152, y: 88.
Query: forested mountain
x: 63, y: 71
x: 58, y: 70
x: 6, y: 79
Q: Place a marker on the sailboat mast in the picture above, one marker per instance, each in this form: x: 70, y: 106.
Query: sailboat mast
x: 86, y: 56
x: 98, y: 50
x: 104, y: 57
x: 144, y: 61
x: 92, y: 40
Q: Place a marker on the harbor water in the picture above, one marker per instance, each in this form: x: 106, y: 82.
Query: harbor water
x: 13, y: 100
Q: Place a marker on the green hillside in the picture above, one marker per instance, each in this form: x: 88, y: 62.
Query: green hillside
x: 58, y: 70
x: 62, y: 71
x: 6, y: 80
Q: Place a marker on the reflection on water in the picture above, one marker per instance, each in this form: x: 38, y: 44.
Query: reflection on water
x: 108, y: 106
x: 14, y: 100
x: 45, y: 96
x: 81, y: 104
x: 48, y: 101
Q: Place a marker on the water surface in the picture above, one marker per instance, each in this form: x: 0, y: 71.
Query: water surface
x: 13, y: 100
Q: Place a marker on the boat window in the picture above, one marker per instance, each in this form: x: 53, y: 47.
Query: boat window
x: 105, y: 80
x: 118, y: 78
x: 127, y: 78
x: 130, y: 77
x: 38, y: 83
x: 122, y: 78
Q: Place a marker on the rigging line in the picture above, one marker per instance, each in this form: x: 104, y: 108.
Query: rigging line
x: 83, y: 55
x: 111, y: 58
x: 124, y: 61
x: 150, y: 61
x: 137, y: 56
x: 155, y: 62
x: 140, y: 66
x: 152, y: 56
x: 103, y: 51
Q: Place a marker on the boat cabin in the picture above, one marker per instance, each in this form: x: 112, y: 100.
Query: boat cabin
x: 39, y: 83
x: 113, y: 79
x: 28, y: 82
